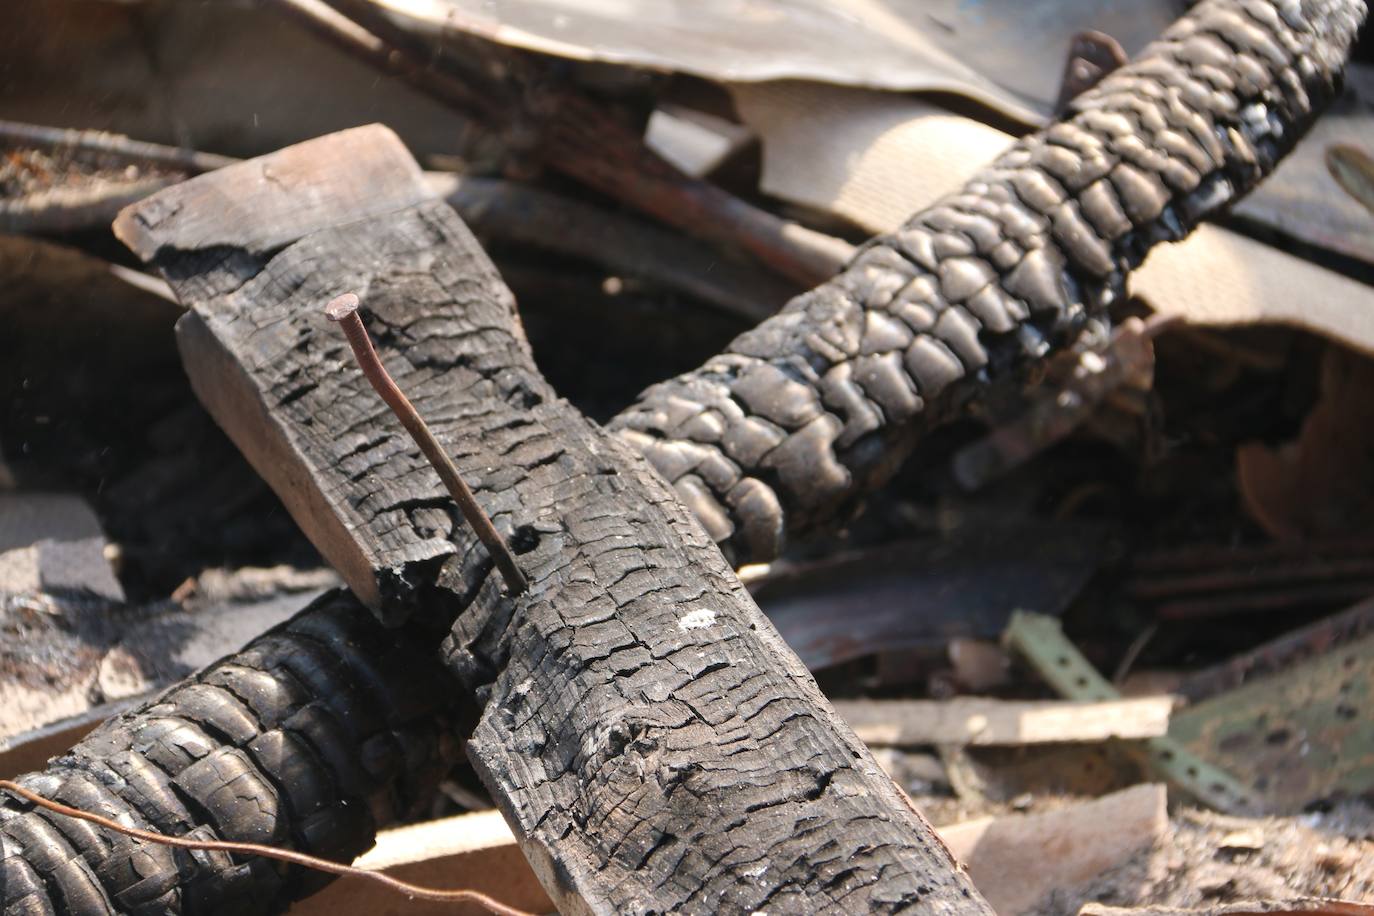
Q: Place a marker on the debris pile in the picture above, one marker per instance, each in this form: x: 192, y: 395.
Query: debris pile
x: 1061, y: 487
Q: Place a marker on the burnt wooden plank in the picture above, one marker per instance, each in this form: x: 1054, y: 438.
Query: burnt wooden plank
x: 654, y: 744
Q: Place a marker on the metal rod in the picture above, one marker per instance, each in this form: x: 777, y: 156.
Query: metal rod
x: 344, y: 311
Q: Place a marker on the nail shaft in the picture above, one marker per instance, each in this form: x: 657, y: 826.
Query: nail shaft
x: 344, y: 311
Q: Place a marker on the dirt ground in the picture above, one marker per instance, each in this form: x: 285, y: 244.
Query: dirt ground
x: 1207, y: 858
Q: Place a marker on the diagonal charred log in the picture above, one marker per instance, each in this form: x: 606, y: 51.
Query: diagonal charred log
x: 311, y: 737
x: 653, y: 742
x: 800, y: 417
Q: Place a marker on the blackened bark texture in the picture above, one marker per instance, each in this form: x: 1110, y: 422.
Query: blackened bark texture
x: 800, y: 417
x: 310, y: 738
x: 654, y: 744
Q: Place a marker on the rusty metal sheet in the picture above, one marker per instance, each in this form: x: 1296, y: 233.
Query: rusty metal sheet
x: 1005, y: 53
x: 1295, y: 737
x: 1041, y: 641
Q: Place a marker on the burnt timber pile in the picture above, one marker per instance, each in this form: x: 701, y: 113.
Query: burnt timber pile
x: 646, y: 731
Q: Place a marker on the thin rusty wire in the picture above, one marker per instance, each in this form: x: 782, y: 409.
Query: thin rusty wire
x: 416, y: 891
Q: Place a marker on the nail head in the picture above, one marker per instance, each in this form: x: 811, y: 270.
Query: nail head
x: 341, y: 307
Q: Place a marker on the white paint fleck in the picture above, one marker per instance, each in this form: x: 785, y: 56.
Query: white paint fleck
x: 697, y: 620
x: 1093, y: 362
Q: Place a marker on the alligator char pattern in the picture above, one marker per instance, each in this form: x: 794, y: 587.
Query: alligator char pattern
x: 786, y: 430
x: 309, y: 738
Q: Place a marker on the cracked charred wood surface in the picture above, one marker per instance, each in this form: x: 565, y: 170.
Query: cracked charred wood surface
x: 311, y: 737
x: 654, y: 744
x: 800, y: 417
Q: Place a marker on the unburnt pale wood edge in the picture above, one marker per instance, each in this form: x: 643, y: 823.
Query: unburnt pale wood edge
x: 984, y: 721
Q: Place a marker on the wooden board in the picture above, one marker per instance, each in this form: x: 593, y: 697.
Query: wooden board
x: 473, y: 851
x: 976, y: 720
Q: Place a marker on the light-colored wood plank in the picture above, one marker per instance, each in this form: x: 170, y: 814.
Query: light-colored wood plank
x: 969, y: 720
x: 472, y: 851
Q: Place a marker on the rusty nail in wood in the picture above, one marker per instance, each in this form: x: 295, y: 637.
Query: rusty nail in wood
x: 343, y: 310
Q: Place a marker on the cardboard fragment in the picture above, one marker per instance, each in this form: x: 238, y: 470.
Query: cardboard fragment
x: 1016, y: 860
x: 474, y: 851
x: 1005, y: 53
x: 1305, y: 197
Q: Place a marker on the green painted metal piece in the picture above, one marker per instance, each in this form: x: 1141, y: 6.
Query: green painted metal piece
x: 1298, y: 736
x: 1041, y: 641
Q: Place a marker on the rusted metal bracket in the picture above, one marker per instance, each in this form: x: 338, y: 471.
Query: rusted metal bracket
x: 1041, y: 641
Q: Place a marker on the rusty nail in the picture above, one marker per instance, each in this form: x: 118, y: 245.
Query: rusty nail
x: 343, y: 310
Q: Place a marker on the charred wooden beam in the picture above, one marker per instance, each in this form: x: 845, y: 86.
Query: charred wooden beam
x: 312, y: 737
x: 803, y: 415
x: 652, y: 741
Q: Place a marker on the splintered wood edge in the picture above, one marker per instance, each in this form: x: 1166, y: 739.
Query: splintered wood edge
x: 269, y: 202
x: 260, y: 206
